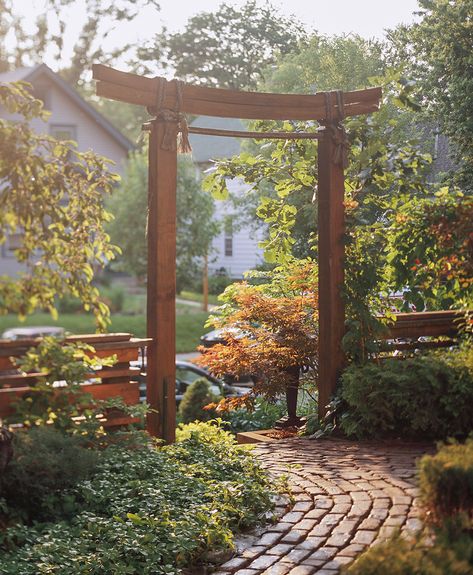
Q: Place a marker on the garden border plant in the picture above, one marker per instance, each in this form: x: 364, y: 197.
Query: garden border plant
x: 143, y: 508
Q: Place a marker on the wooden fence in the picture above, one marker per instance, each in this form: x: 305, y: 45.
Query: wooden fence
x: 119, y: 380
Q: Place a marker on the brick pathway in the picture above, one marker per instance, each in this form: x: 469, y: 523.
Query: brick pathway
x: 348, y: 495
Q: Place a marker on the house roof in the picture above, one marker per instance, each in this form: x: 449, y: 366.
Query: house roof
x: 206, y: 148
x: 33, y: 73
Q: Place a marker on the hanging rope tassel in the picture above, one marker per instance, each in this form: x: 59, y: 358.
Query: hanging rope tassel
x: 183, y: 144
x: 170, y: 120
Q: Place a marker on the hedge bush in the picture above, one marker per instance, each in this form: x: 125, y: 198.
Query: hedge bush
x: 148, y: 510
x: 428, y: 396
x: 399, y: 556
x: 446, y: 483
x: 45, y: 465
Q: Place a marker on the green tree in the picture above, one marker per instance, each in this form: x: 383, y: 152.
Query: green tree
x: 327, y: 63
x: 439, y: 55
x: 195, y: 225
x: 55, y: 33
x: 51, y: 198
x: 229, y: 48
x: 324, y: 63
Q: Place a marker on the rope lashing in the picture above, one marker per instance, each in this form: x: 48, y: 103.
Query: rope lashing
x: 176, y: 131
x: 336, y: 128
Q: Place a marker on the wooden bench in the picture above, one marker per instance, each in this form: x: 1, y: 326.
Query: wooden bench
x: 409, y: 329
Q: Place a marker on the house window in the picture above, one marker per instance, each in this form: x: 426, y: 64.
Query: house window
x: 228, y: 236
x: 63, y: 131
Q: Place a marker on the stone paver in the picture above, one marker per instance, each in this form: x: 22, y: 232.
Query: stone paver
x: 348, y: 496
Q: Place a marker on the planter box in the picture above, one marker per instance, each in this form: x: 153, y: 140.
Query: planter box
x: 263, y: 435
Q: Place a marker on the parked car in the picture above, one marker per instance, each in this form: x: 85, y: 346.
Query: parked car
x: 33, y: 332
x: 186, y: 374
x: 218, y: 336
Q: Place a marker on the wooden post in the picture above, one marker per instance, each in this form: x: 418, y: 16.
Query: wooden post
x: 331, y: 215
x: 161, y: 303
x: 205, y: 284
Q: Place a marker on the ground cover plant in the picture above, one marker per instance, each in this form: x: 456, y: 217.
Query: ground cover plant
x: 143, y: 509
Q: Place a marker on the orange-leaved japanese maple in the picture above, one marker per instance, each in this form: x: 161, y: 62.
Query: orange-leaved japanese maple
x: 271, y: 331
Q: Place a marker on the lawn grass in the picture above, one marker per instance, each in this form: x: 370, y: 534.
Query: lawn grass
x: 193, y: 296
x: 189, y: 325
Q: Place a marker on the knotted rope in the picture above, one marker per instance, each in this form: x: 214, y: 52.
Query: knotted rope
x: 336, y: 128
x: 176, y: 131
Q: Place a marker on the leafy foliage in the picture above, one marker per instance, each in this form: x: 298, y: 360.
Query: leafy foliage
x: 276, y: 331
x: 426, y: 396
x: 195, y: 225
x: 344, y: 62
x: 431, y: 251
x: 263, y: 415
x: 149, y: 510
x: 52, y: 200
x: 392, y: 215
x: 229, y: 48
x: 446, y: 482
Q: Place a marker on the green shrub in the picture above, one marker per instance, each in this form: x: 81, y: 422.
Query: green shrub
x: 45, y: 465
x: 218, y: 283
x: 197, y: 395
x: 398, y: 556
x: 446, y: 482
x: 149, y: 510
x: 263, y: 416
x: 427, y: 396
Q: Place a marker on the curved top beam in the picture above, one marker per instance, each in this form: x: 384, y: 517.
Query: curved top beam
x: 199, y: 100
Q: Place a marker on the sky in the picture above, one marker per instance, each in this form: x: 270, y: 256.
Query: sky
x: 369, y: 18
x: 366, y: 17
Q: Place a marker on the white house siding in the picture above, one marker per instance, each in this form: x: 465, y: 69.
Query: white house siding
x: 89, y: 135
x: 246, y: 254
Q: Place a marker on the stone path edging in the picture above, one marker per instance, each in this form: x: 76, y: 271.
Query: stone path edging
x: 348, y: 496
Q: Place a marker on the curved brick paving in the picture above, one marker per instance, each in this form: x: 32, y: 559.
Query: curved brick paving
x: 347, y: 496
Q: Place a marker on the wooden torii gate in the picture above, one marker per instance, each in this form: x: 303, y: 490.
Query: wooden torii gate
x: 168, y: 102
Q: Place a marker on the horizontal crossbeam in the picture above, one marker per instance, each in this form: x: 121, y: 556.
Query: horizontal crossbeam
x: 255, y: 135
x: 198, y: 100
